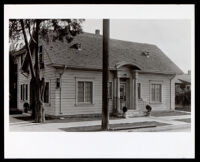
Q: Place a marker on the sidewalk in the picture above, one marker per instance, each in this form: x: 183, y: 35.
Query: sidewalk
x: 162, y: 123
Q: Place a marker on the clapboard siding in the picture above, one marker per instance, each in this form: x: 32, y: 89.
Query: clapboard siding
x: 21, y: 79
x: 49, y: 73
x: 68, y: 91
x: 63, y: 100
x: 173, y: 93
x: 68, y: 100
x: 146, y: 80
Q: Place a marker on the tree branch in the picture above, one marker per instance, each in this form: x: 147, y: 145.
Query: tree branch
x: 27, y: 48
x: 31, y: 34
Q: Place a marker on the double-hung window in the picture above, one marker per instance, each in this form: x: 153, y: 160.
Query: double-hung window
x: 156, y: 92
x: 24, y: 92
x: 85, y: 92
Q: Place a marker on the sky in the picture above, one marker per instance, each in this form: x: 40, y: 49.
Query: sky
x: 173, y: 37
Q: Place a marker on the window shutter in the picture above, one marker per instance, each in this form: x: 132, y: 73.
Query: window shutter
x: 46, y: 93
x: 21, y: 91
x: 26, y: 91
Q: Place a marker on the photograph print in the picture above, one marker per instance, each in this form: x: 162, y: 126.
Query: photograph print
x: 93, y: 75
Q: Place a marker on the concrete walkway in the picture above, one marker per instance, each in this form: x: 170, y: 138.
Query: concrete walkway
x: 23, y: 126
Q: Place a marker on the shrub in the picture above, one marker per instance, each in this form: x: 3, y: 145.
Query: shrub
x: 26, y: 106
x: 148, y: 107
x: 124, y: 109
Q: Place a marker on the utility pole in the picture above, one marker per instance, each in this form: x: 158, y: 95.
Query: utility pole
x: 105, y: 110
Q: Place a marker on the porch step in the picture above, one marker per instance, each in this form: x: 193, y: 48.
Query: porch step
x: 135, y: 113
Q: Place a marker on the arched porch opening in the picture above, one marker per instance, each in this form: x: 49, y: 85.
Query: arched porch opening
x: 125, y: 86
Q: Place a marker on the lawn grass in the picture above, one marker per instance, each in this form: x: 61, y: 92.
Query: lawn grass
x: 167, y: 113
x: 187, y: 120
x: 183, y: 108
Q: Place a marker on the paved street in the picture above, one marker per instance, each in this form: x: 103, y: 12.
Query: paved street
x: 179, y: 130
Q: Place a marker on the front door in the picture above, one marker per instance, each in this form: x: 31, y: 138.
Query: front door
x: 122, y: 95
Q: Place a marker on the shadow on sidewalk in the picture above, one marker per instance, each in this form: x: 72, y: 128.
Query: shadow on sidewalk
x: 28, y: 118
x: 113, y: 127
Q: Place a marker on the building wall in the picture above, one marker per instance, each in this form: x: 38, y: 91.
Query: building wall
x: 21, y: 79
x: 48, y: 73
x: 63, y: 100
x: 147, y: 79
x: 68, y: 93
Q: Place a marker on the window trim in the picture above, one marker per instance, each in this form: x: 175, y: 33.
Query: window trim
x: 76, y: 91
x: 150, y: 92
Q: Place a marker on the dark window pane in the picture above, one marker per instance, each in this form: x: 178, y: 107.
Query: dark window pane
x: 80, y: 91
x: 160, y: 93
x: 46, y: 93
x: 21, y: 92
x: 26, y: 91
x: 41, y: 58
x: 156, y: 92
x: 88, y: 92
x: 139, y: 90
x: 152, y: 93
x: 40, y: 49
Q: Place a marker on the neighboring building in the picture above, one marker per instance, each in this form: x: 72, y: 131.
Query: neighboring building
x: 138, y: 74
x: 183, y: 81
x: 183, y: 89
x: 12, y: 83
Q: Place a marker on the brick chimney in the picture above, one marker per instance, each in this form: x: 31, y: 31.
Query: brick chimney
x: 189, y: 72
x: 97, y: 32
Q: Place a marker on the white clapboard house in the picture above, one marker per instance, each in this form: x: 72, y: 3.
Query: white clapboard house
x: 139, y: 74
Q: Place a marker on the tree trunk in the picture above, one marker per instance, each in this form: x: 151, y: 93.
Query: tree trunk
x: 32, y: 83
x: 39, y: 108
x: 32, y: 97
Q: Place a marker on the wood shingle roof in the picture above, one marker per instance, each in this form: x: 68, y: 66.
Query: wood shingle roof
x: 90, y: 55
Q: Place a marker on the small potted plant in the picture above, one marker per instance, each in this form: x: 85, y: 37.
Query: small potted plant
x: 148, y: 108
x: 26, y: 107
x: 124, y: 109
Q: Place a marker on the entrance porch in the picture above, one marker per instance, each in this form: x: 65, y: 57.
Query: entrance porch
x: 125, y: 88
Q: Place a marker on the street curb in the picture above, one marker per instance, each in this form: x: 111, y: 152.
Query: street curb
x: 163, y: 128
x: 188, y: 112
x: 133, y: 127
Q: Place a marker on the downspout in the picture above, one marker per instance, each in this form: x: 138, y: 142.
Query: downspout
x: 171, y: 90
x: 61, y: 88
